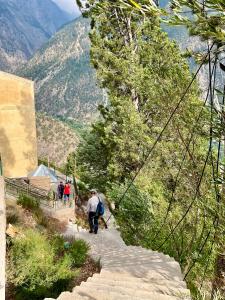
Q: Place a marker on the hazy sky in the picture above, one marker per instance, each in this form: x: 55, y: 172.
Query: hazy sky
x: 68, y: 5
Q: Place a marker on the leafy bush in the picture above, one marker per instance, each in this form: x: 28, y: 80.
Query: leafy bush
x: 58, y: 243
x: 27, y: 202
x: 78, y: 252
x: 36, y: 267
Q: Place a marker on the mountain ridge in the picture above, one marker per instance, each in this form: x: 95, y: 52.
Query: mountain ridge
x: 64, y: 79
x: 25, y: 27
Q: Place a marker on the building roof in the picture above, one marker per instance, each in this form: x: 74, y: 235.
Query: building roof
x: 42, y: 170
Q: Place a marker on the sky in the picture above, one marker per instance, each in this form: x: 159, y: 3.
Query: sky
x: 68, y: 5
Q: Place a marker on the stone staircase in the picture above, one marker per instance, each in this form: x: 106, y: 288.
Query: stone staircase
x: 127, y: 272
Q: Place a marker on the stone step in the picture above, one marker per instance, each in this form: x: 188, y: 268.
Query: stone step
x: 145, y: 271
x: 101, y: 295
x: 133, y: 253
x: 150, y: 275
x: 99, y: 246
x: 140, y: 258
x: 130, y: 280
x: 70, y: 296
x: 94, y: 291
x: 109, y: 248
x: 153, y: 265
x: 76, y: 296
x: 126, y: 257
x: 166, y: 289
x: 139, y: 248
x: 124, y: 251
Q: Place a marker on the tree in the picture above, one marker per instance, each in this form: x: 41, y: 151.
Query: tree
x: 70, y: 167
x: 144, y: 76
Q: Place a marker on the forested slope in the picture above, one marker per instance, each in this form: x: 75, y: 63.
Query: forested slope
x: 65, y: 84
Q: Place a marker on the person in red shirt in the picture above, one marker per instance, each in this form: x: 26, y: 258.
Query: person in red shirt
x: 66, y: 193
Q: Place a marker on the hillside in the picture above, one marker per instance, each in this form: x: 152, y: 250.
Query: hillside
x: 55, y: 139
x: 25, y: 27
x: 65, y: 81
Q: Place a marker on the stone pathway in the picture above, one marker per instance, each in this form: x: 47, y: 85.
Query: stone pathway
x: 128, y: 272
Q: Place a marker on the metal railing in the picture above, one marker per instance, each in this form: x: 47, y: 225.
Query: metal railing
x: 15, y: 187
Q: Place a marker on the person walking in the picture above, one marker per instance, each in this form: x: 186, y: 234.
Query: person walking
x: 66, y: 193
x: 91, y: 210
x: 60, y: 190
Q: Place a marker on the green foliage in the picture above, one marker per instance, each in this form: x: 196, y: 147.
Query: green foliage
x: 78, y: 127
x: 57, y: 242
x: 36, y: 268
x: 70, y: 167
x: 28, y: 202
x: 92, y: 160
x: 134, y: 214
x: 78, y: 252
x: 150, y: 79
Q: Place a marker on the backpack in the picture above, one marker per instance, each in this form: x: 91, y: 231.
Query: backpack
x: 100, y: 208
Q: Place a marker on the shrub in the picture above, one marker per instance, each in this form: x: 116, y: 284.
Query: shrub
x: 78, y: 252
x: 12, y: 217
x: 58, y: 243
x: 35, y: 268
x: 27, y: 202
x: 40, y: 218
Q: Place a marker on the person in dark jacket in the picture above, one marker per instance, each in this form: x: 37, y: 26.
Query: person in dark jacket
x: 60, y: 190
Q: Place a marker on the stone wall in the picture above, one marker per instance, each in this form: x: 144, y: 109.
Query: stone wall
x: 18, y: 144
x: 2, y: 239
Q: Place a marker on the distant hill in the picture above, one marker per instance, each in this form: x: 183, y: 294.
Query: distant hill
x: 56, y: 140
x: 64, y: 79
x: 25, y: 26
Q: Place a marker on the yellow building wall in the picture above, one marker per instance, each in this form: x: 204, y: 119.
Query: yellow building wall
x: 18, y: 141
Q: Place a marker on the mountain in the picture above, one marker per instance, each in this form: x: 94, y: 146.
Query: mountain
x: 64, y: 79
x: 25, y: 26
x: 56, y: 140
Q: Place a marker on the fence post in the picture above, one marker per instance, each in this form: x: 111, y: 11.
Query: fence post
x: 2, y: 239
